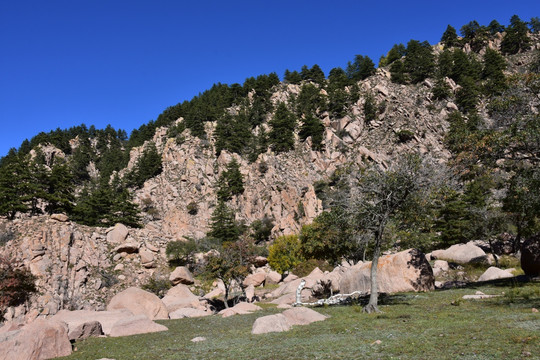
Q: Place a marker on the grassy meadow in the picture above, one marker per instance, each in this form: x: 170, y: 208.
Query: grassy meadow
x: 434, y: 325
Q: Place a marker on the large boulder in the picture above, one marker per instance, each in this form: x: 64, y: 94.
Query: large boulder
x: 462, y: 254
x: 273, y: 277
x: 76, y: 319
x: 86, y: 330
x: 134, y: 325
x: 407, y: 270
x: 270, y: 323
x: 284, y: 321
x: 188, y: 313
x: 302, y: 316
x: 117, y: 234
x: 181, y: 275
x: 530, y: 256
x: 255, y: 279
x: 41, y: 339
x: 139, y: 302
x: 494, y: 273
x: 180, y: 297
x: 240, y: 309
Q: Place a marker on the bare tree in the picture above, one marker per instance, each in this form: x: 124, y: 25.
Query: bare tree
x: 377, y: 196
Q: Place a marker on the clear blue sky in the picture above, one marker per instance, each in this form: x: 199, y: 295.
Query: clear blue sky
x: 63, y: 63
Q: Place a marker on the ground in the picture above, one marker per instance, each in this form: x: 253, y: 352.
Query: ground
x: 434, y: 325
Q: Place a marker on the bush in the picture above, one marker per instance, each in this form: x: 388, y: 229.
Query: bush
x: 16, y: 285
x: 180, y: 253
x: 6, y: 235
x: 192, y: 208
x: 157, y: 285
x: 405, y: 136
x: 305, y: 267
x: 285, y: 253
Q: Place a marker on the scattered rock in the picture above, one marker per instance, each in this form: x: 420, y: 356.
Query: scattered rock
x: 188, y: 313
x: 250, y: 293
x: 494, y: 273
x: 60, y: 217
x: 118, y: 234
x: 272, y: 278
x: 302, y: 316
x: 128, y: 248
x: 461, y: 253
x: 139, y: 302
x: 198, y: 339
x: 270, y: 323
x: 181, y: 275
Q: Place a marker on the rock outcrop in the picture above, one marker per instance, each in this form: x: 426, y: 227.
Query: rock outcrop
x: 461, y: 254
x: 405, y: 271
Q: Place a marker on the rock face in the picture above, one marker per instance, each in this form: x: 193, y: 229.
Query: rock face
x: 139, y: 302
x: 530, y: 256
x: 461, y: 253
x: 405, y: 271
x: 42, y: 339
x: 494, y: 273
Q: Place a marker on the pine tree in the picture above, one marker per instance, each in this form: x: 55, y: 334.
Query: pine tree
x: 420, y: 61
x: 449, y: 37
x: 312, y: 126
x: 230, y: 182
x: 281, y: 136
x: 516, y: 39
x: 397, y: 72
x: 494, y: 65
x: 361, y: 68
x: 223, y: 226
x: 60, y: 190
x: 494, y: 27
x: 12, y: 173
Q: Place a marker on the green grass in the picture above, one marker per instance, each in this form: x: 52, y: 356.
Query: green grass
x: 412, y: 326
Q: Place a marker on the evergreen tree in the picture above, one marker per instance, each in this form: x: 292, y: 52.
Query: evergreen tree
x: 312, y: 126
x: 223, y: 226
x: 396, y: 52
x: 310, y: 100
x: 337, y: 78
x: 445, y: 64
x: 60, y: 190
x: 230, y: 182
x: 12, y: 177
x: 281, y: 136
x: 370, y: 108
x: 449, y: 37
x: 94, y: 205
x: 467, y: 95
x: 293, y: 77
x: 361, y: 68
x: 494, y: 64
x: 148, y: 165
x: 123, y: 210
x: 516, y: 39
x: 494, y: 27
x: 397, y: 72
x: 420, y: 61
x: 534, y: 24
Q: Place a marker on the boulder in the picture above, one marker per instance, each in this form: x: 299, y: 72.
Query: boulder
x: 118, y: 234
x: 128, y: 248
x: 139, y: 302
x: 147, y: 258
x: 41, y: 339
x: 530, y: 256
x: 284, y: 321
x: 250, y: 293
x: 180, y: 297
x: 138, y: 324
x: 440, y: 266
x: 255, y: 279
x: 302, y: 316
x: 494, y: 273
x: 85, y: 330
x: 239, y: 309
x: 260, y: 261
x: 188, y: 313
x: 60, y: 217
x: 273, y: 277
x: 461, y: 253
x: 270, y: 323
x: 77, y: 318
x: 405, y: 271
x: 181, y: 275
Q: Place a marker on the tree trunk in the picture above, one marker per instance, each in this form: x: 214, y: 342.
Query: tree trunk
x: 373, y: 297
x: 226, y: 296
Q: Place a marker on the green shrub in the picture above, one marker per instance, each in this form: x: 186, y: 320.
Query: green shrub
x: 180, y: 253
x: 305, y: 267
x: 405, y: 136
x: 157, y: 285
x: 285, y: 253
x: 16, y: 285
x: 192, y: 208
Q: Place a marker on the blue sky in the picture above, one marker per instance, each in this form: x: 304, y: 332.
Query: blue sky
x: 63, y: 63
